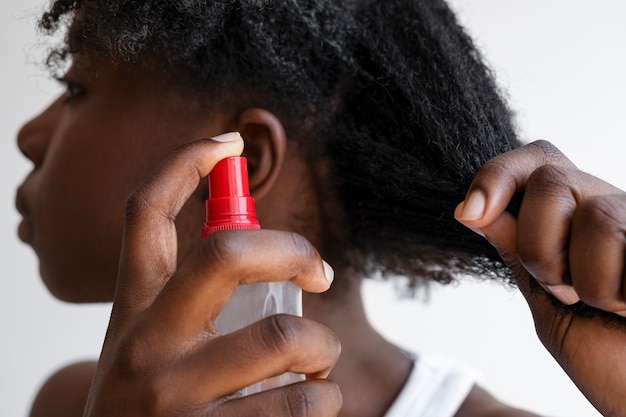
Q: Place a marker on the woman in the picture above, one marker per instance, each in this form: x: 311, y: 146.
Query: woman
x: 364, y: 124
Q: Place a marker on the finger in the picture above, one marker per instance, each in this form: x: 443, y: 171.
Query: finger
x: 543, y: 227
x: 149, y: 252
x: 209, y: 277
x: 552, y: 196
x: 317, y: 398
x: 544, y: 223
x: 281, y: 343
x: 263, y: 256
x: 502, y: 235
x: 597, y: 251
x: 498, y: 180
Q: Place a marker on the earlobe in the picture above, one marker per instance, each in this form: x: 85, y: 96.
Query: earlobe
x: 265, y: 146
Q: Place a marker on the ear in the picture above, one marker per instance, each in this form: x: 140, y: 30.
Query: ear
x: 265, y: 146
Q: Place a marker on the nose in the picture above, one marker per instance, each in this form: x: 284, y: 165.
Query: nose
x: 34, y: 137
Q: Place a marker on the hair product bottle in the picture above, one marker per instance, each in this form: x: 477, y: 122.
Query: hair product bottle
x: 230, y: 207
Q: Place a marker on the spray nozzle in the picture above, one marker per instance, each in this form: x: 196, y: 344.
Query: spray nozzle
x: 229, y: 205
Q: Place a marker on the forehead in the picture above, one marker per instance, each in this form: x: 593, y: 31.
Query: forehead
x: 104, y: 79
x: 130, y: 108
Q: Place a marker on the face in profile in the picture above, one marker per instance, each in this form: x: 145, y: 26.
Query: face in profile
x: 90, y: 148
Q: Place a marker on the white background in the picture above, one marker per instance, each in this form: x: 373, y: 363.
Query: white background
x: 562, y: 62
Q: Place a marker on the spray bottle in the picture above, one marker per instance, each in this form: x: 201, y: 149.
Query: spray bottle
x: 230, y: 207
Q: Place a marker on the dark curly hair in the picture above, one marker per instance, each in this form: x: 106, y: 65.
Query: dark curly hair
x: 391, y: 94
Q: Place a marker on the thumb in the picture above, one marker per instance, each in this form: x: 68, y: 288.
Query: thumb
x: 149, y: 249
x: 501, y: 233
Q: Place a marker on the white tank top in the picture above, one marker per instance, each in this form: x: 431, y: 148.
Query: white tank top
x: 436, y: 387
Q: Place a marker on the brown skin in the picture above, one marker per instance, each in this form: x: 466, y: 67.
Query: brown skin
x: 161, y: 353
x: 569, y: 232
x: 89, y: 153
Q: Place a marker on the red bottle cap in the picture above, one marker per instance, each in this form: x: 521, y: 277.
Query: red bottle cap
x: 229, y: 205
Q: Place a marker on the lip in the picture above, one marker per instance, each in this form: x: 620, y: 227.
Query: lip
x: 25, y: 230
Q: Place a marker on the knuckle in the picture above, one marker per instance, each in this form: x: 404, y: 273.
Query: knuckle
x: 142, y: 203
x: 496, y: 168
x: 548, y: 178
x: 313, y: 398
x: 281, y: 333
x: 549, y: 154
x: 543, y: 265
x: 603, y: 214
x: 303, y: 254
x: 132, y: 357
x: 546, y: 151
x: 540, y: 150
x: 542, y: 270
x: 136, y: 203
x: 298, y: 402
x: 222, y: 249
x: 301, y: 246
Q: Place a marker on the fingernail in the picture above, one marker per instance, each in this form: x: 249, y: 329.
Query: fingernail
x: 227, y: 137
x: 329, y: 272
x: 564, y: 293
x: 473, y: 206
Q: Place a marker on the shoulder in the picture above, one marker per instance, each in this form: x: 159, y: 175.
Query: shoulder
x: 65, y: 391
x: 481, y: 403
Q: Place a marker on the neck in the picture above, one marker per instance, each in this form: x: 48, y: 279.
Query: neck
x: 371, y: 371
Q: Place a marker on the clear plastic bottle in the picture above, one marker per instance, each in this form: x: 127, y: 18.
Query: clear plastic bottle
x: 231, y: 207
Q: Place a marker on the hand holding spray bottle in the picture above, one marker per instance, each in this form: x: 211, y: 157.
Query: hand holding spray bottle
x: 230, y: 207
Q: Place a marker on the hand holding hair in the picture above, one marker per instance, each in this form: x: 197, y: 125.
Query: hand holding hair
x: 569, y: 238
x: 162, y: 356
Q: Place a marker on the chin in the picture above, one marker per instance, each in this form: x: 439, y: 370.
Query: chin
x: 76, y: 289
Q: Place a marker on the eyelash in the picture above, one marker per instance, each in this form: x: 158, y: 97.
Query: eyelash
x: 72, y: 90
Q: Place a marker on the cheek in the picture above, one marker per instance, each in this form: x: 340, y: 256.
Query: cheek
x: 87, y: 176
x: 80, y: 214
x: 78, y: 237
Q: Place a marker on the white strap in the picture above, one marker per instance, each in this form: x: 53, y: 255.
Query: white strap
x: 436, y: 388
